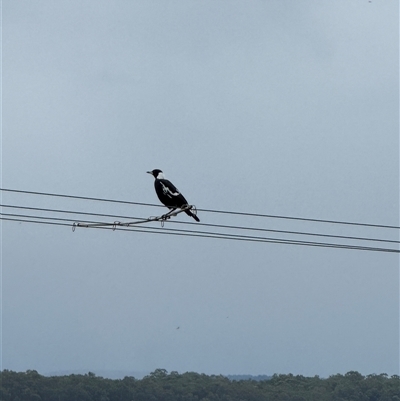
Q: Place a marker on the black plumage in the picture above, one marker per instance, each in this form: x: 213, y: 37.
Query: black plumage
x: 168, y: 194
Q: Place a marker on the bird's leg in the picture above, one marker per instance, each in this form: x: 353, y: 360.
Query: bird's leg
x: 168, y: 215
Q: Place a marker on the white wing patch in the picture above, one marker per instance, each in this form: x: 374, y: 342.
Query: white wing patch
x: 168, y: 192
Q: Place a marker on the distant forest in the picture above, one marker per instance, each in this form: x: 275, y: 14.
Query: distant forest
x: 163, y: 386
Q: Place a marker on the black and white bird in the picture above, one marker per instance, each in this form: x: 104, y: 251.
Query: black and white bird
x: 168, y: 193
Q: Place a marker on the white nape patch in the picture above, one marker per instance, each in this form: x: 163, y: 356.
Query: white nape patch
x: 160, y: 176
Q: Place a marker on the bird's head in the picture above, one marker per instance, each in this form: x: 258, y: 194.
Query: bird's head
x: 156, y: 174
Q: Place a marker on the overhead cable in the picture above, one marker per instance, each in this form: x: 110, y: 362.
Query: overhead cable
x: 234, y: 227
x: 205, y: 210
x: 192, y: 233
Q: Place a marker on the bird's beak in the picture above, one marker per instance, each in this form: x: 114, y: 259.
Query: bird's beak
x: 149, y: 172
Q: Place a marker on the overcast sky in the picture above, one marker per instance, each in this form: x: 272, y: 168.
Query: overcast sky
x: 274, y: 107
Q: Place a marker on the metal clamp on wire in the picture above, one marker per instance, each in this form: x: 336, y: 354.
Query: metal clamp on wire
x: 193, y: 209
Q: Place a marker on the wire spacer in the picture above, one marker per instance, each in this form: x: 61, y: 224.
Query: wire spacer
x: 74, y: 225
x: 193, y: 209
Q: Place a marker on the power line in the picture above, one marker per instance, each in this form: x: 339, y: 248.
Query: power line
x: 79, y: 197
x: 205, y: 210
x: 304, y: 233
x: 300, y: 219
x: 63, y: 221
x: 195, y: 233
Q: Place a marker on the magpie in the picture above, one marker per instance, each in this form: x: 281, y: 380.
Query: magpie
x: 168, y: 193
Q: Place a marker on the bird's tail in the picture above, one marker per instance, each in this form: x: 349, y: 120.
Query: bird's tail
x: 189, y: 213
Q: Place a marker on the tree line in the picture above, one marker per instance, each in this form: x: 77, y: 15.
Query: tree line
x: 163, y: 386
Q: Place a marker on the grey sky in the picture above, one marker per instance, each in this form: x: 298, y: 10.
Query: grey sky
x: 274, y: 107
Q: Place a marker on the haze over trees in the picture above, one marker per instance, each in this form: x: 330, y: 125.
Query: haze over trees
x: 163, y: 386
